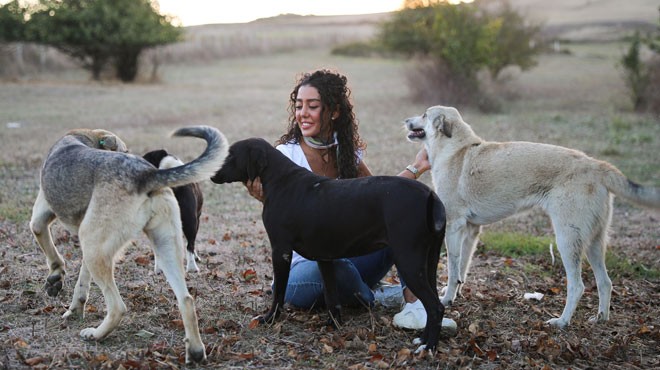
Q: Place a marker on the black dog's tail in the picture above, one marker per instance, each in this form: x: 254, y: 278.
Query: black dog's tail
x: 436, y: 216
x: 201, y: 168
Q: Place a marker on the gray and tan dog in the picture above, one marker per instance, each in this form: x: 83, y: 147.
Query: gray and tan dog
x: 107, y: 197
x: 481, y: 182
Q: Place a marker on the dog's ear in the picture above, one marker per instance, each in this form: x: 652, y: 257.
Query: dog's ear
x: 257, y: 163
x: 113, y: 143
x: 442, y: 124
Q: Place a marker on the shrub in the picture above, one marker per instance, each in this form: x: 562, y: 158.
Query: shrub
x: 456, y: 42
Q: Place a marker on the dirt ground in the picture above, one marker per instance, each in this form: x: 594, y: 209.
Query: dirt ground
x: 497, y: 327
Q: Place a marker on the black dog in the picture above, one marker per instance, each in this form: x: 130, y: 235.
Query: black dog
x: 190, y: 201
x: 324, y: 219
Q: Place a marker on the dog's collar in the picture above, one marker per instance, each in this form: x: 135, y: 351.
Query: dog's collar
x: 320, y: 144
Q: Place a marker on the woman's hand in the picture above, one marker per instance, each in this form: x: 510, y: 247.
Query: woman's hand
x: 421, y: 165
x: 422, y: 161
x: 255, y: 189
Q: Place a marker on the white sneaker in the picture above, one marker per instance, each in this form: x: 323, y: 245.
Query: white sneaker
x: 413, y: 316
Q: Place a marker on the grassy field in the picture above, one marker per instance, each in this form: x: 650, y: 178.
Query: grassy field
x: 576, y: 100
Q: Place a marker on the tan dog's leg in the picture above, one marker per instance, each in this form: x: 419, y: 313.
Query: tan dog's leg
x: 570, y: 248
x: 99, y: 246
x: 455, y: 237
x: 596, y: 256
x: 42, y: 217
x: 467, y: 251
x: 164, y: 231
x: 80, y: 293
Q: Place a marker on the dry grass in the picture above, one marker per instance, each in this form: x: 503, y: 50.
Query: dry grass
x: 573, y: 100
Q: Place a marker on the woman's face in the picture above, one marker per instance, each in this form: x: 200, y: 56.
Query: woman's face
x: 309, y: 113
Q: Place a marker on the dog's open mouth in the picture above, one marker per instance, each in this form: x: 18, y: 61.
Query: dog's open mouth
x: 417, y: 133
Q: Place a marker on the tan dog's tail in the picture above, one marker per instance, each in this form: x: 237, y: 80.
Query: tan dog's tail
x: 201, y: 168
x: 617, y: 183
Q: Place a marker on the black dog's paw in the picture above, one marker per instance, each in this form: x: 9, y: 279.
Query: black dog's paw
x: 53, y: 285
x: 334, y: 321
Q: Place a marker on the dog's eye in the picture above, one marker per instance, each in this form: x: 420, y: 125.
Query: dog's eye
x: 424, y: 116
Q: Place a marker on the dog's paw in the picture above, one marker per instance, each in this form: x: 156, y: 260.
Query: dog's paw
x: 191, y: 265
x: 598, y: 318
x: 53, y: 285
x: 195, y: 356
x: 423, y: 349
x: 558, y: 323
x: 446, y: 301
x: 417, y: 341
x: 88, y: 334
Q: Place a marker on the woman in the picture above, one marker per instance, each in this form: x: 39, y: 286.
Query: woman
x: 322, y: 136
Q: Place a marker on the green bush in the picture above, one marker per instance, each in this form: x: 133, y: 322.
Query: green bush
x: 459, y: 41
x: 642, y: 77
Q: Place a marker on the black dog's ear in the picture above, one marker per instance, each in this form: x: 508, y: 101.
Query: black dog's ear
x: 442, y: 124
x: 257, y: 163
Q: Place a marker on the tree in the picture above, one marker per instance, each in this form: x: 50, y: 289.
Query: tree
x: 96, y: 32
x: 12, y: 22
x: 461, y: 40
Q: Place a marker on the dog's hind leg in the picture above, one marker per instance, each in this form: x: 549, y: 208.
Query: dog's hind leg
x: 42, y: 217
x: 596, y: 251
x: 457, y: 255
x: 330, y: 292
x: 468, y: 248
x: 190, y: 223
x: 164, y: 231
x: 414, y: 271
x: 99, y: 251
x: 80, y: 292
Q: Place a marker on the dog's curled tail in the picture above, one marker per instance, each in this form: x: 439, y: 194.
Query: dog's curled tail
x: 201, y: 168
x: 617, y: 183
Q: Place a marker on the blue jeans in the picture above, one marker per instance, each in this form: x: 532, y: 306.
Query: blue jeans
x: 355, y: 278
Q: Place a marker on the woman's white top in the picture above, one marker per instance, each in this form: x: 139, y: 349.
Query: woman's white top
x: 294, y: 152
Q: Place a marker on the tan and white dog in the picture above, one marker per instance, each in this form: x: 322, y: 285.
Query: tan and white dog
x: 106, y: 197
x: 481, y: 182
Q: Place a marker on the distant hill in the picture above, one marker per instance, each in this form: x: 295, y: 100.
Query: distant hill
x: 577, y: 20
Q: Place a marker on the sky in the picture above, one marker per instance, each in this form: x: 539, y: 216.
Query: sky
x: 196, y: 12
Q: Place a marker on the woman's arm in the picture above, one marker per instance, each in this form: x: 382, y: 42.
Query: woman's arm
x: 418, y: 167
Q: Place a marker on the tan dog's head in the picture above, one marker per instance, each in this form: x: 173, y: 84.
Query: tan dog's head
x: 100, y: 139
x: 435, y: 122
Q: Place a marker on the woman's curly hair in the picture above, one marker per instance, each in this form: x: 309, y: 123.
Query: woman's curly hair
x: 335, y: 95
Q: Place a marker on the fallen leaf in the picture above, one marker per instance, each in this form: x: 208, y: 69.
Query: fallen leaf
x: 34, y: 361
x: 372, y: 347
x: 143, y: 260
x: 226, y: 237
x: 249, y: 275
x: 254, y: 323
x: 644, y: 330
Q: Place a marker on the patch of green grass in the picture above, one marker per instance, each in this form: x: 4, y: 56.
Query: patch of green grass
x: 15, y: 214
x: 620, y: 266
x: 519, y: 245
x: 514, y: 244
